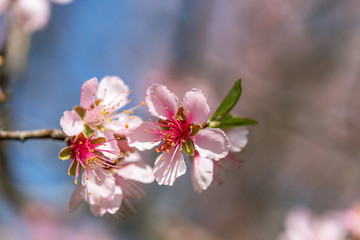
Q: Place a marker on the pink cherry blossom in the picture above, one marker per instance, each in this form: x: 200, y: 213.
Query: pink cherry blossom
x: 99, y: 105
x: 352, y: 221
x: 301, y: 224
x: 119, y: 185
x: 179, y: 128
x: 91, y: 154
x: 204, y: 170
x: 31, y: 15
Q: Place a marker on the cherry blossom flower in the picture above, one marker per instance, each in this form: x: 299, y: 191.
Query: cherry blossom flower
x: 99, y: 108
x: 32, y: 15
x: 179, y: 128
x: 301, y: 224
x: 119, y: 185
x: 352, y: 221
x: 95, y: 155
x: 205, y: 170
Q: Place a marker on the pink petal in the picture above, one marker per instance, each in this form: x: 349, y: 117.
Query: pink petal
x: 237, y: 138
x: 88, y: 91
x: 71, y: 123
x: 195, y: 106
x: 140, y: 172
x: 32, y: 15
x: 161, y: 102
x: 108, y: 205
x: 165, y: 173
x: 211, y: 143
x: 202, y: 173
x: 98, y: 190
x: 113, y: 91
x: 144, y: 140
x: 123, y: 124
x: 76, y: 198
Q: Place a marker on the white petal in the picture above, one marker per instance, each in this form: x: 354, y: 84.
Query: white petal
x: 237, y: 138
x: 113, y: 91
x: 202, y: 173
x: 32, y: 15
x: 71, y: 123
x: 166, y: 173
x: 211, y: 143
x: 96, y: 191
x: 108, y: 205
x: 139, y: 171
x: 195, y: 106
x: 161, y: 102
x: 123, y: 124
x: 144, y: 140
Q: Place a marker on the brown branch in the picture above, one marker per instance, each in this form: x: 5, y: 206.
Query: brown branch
x: 55, y: 134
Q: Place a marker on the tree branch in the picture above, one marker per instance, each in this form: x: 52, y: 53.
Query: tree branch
x: 55, y: 134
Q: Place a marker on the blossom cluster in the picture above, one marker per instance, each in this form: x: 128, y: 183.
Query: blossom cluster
x: 103, y: 142
x: 302, y: 224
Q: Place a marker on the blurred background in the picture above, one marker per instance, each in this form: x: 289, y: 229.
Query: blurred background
x: 299, y: 61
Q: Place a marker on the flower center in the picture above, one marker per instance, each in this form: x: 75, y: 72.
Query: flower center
x: 88, y: 154
x: 176, y: 132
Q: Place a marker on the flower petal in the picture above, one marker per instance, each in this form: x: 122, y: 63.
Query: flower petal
x: 109, y: 146
x: 211, y: 143
x: 88, y: 91
x: 71, y: 123
x: 76, y: 198
x: 237, y: 138
x: 144, y: 140
x: 202, y: 173
x: 137, y: 171
x: 161, y: 102
x: 123, y: 124
x: 195, y: 106
x: 108, y: 205
x: 113, y: 91
x: 166, y: 173
x: 32, y: 15
x: 96, y: 191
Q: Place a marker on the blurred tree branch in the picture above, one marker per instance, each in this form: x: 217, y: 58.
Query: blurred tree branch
x: 55, y: 134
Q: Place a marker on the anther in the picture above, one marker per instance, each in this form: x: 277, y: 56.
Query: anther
x: 142, y: 103
x: 166, y: 108
x: 89, y: 193
x: 145, y: 130
x: 126, y: 125
x: 102, y: 129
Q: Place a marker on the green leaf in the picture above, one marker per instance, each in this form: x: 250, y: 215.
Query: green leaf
x: 80, y: 111
x: 231, y: 121
x: 88, y: 131
x: 98, y: 140
x: 229, y: 102
x: 73, y: 168
x: 66, y: 153
x: 188, y: 147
